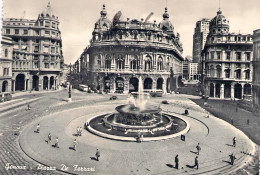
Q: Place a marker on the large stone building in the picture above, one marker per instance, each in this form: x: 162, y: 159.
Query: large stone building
x: 227, y: 61
x: 37, y: 54
x: 201, y: 32
x: 256, y: 71
x: 6, y: 64
x: 124, y: 53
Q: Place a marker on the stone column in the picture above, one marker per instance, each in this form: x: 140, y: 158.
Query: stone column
x: 232, y: 90
x: 164, y: 86
x: 221, y: 90
x: 13, y: 85
x: 25, y: 87
x: 48, y: 87
x: 242, y: 93
x: 214, y: 90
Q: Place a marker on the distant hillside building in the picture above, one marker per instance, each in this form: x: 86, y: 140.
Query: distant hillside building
x: 37, y: 54
x: 227, y: 61
x: 124, y: 53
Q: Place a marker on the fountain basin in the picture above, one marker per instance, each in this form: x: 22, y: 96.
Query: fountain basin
x: 102, y: 126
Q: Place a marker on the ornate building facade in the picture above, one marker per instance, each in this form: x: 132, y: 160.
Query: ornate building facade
x: 124, y: 53
x: 256, y: 71
x: 37, y: 54
x: 227, y: 61
x: 6, y: 64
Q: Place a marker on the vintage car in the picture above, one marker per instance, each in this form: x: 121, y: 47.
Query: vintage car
x: 5, y: 96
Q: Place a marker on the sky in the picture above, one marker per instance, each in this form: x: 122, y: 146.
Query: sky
x: 77, y: 17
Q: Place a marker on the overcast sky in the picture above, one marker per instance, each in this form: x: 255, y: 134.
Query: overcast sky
x: 77, y: 17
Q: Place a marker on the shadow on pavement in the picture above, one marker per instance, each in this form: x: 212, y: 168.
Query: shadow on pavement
x: 170, y: 165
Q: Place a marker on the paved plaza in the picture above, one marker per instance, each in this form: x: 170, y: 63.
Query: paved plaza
x: 21, y: 145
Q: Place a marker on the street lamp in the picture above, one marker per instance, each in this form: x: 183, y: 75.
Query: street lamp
x: 69, y: 99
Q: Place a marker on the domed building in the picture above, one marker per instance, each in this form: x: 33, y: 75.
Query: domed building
x: 122, y: 53
x: 227, y: 61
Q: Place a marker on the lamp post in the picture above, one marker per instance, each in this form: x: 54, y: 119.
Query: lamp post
x: 69, y: 99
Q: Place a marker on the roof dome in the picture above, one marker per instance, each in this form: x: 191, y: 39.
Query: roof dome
x: 166, y: 25
x: 103, y: 22
x: 48, y: 11
x: 219, y: 24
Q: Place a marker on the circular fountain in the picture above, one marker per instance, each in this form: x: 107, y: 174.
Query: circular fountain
x: 138, y: 118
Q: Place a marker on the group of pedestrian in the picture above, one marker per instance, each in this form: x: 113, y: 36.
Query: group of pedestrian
x: 56, y: 144
x: 198, y: 147
x: 79, y: 131
x: 177, y: 162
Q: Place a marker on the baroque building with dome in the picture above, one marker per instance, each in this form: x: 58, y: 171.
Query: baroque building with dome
x: 37, y: 57
x: 122, y: 53
x: 227, y: 61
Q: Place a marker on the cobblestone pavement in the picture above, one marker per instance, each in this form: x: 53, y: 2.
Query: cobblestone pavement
x: 17, y: 118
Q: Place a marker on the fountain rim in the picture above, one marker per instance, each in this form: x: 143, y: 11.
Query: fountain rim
x: 145, y: 139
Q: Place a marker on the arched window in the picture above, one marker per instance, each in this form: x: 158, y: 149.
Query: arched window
x: 107, y: 64
x: 218, y: 71
x: 160, y: 63
x: 148, y: 63
x: 120, y: 62
x: 133, y: 64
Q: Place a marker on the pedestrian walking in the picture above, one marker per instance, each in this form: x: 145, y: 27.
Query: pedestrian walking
x: 28, y: 107
x: 57, y: 142
x: 177, y: 161
x: 186, y: 112
x: 196, y: 162
x: 208, y: 115
x: 74, y: 144
x: 97, y: 154
x: 80, y: 131
x: 198, y: 148
x: 38, y: 128
x: 234, y: 141
x: 232, y: 159
x: 49, y: 138
x: 142, y: 138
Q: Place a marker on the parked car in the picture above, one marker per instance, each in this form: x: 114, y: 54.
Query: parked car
x: 83, y: 87
x: 113, y: 98
x: 5, y: 96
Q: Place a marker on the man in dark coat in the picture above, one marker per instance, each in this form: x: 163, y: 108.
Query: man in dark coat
x: 196, y: 162
x: 177, y: 161
x: 97, y: 154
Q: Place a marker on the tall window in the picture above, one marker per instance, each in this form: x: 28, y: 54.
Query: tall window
x: 247, y: 74
x: 238, y: 74
x: 133, y: 64
x: 6, y: 53
x: 228, y: 55
x: 218, y: 71
x: 248, y: 56
x: 238, y: 56
x: 227, y: 73
x: 16, y: 31
x: 25, y: 32
x: 159, y: 64
x: 7, y: 31
x: 108, y: 64
x: 218, y: 55
x: 212, y: 55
